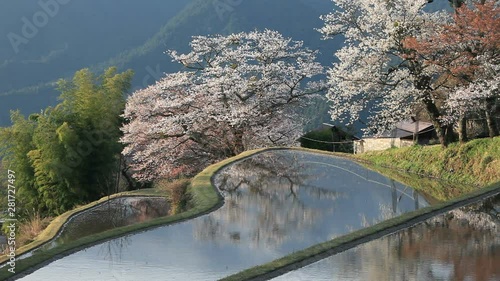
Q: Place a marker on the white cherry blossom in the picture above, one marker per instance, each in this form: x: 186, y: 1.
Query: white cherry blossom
x: 374, y: 70
x: 235, y: 93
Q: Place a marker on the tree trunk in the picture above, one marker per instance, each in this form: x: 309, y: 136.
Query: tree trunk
x: 434, y: 115
x: 238, y: 146
x: 462, y: 130
x: 128, y: 178
x: 441, y: 133
x: 490, y: 119
x: 415, y: 132
x: 448, y: 134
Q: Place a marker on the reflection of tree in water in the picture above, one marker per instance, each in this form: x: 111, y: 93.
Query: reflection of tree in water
x: 267, y: 198
x: 388, y: 211
x: 464, y: 244
x: 113, y: 252
x: 113, y: 213
x: 144, y: 210
x: 129, y: 210
x: 480, y: 216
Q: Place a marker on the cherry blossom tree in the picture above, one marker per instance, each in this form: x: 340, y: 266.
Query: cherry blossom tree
x: 480, y: 97
x: 235, y: 93
x: 375, y: 71
x: 467, y: 49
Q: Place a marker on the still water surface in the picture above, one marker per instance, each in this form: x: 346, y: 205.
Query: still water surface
x: 113, y: 213
x: 461, y: 245
x: 276, y: 202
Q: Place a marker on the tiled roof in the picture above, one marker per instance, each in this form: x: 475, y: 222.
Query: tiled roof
x: 411, y: 126
x: 406, y: 129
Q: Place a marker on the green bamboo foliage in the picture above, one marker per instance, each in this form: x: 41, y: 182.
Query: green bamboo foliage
x: 67, y: 155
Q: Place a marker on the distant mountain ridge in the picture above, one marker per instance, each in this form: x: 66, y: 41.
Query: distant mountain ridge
x: 297, y: 19
x: 294, y: 18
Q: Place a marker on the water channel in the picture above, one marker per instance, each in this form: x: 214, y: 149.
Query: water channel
x: 463, y: 244
x: 276, y: 202
x: 112, y: 213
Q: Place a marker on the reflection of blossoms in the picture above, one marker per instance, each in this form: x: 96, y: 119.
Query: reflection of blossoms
x: 442, y: 248
x: 267, y: 201
x: 374, y: 71
x: 385, y: 212
x: 478, y: 221
x: 480, y: 217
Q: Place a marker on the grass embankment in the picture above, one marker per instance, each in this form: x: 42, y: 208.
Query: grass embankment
x: 204, y: 198
x: 463, y: 167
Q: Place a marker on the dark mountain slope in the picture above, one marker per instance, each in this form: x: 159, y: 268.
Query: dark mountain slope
x: 131, y: 34
x: 294, y: 18
x: 75, y: 35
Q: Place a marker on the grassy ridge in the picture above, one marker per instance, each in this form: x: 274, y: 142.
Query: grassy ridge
x: 475, y: 163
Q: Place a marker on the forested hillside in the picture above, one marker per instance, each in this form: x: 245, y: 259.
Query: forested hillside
x: 76, y: 34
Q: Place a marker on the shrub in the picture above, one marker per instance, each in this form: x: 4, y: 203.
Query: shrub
x: 324, y: 138
x: 177, y: 193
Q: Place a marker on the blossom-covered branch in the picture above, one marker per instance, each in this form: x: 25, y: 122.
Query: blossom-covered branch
x: 374, y: 70
x: 235, y: 93
x: 466, y: 50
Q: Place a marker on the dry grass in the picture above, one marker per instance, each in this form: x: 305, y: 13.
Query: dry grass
x: 177, y: 193
x: 30, y: 229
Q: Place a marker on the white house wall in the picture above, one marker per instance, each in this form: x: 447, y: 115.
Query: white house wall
x: 376, y: 144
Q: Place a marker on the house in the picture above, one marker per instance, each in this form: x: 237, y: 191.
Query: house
x: 405, y: 133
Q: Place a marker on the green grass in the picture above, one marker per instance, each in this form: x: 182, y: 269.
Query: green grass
x: 475, y: 163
